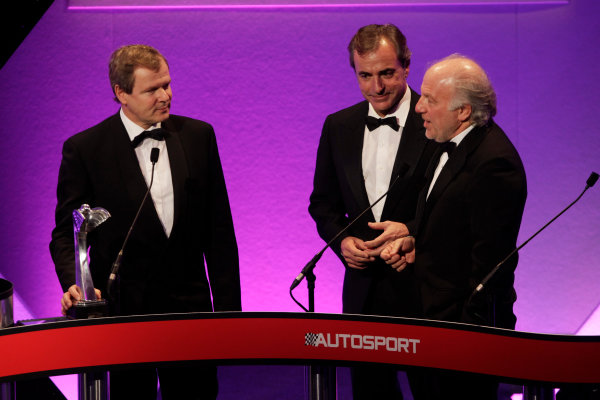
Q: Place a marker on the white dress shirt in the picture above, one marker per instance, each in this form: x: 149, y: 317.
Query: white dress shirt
x: 162, y: 187
x: 380, y: 147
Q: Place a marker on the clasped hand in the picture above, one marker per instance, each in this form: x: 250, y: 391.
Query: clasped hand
x: 399, y: 253
x: 358, y: 253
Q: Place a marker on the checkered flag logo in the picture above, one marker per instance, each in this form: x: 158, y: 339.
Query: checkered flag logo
x: 310, y: 339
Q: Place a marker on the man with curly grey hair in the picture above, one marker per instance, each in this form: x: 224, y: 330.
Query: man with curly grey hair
x: 467, y: 219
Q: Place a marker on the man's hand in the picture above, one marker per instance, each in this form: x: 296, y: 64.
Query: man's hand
x: 391, y: 231
x: 355, y: 252
x: 399, y: 253
x: 72, y: 296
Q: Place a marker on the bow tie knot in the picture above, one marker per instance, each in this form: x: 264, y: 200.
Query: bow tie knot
x: 157, y: 134
x: 448, y: 147
x: 374, y: 123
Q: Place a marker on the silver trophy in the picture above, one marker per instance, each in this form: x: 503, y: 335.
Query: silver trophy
x: 85, y: 220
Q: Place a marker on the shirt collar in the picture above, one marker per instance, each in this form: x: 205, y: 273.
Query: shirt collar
x: 459, y: 138
x: 401, y: 112
x: 132, y: 128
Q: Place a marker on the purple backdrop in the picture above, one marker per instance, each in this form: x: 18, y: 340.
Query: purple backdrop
x: 266, y: 80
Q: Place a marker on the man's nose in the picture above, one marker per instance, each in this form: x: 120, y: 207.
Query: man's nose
x: 419, y: 106
x: 378, y: 85
x: 163, y: 94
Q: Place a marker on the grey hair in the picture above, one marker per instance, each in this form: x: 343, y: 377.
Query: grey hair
x: 474, y: 88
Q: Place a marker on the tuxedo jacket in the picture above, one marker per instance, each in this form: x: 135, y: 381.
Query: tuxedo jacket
x: 470, y: 223
x: 339, y: 196
x: 158, y: 274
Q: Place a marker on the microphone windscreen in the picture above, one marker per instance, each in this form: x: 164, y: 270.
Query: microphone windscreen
x: 154, y: 155
x: 592, y: 179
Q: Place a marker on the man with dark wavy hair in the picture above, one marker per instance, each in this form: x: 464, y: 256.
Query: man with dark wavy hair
x: 186, y: 220
x: 363, y: 148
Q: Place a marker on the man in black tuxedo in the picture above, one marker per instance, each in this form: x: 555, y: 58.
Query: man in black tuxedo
x: 362, y: 150
x: 186, y: 220
x: 468, y: 216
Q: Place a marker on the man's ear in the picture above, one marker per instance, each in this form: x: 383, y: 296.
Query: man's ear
x: 120, y: 94
x: 464, y: 112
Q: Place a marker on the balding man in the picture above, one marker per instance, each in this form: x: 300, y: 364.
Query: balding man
x: 468, y: 216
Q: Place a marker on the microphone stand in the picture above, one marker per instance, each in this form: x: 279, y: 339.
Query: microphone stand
x: 113, y: 288
x: 310, y: 266
x: 589, y: 183
x: 491, y: 302
x: 322, y: 379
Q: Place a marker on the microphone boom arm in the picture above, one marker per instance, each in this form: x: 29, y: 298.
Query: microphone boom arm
x: 589, y: 183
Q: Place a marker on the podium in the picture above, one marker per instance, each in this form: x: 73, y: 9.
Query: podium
x: 297, y: 338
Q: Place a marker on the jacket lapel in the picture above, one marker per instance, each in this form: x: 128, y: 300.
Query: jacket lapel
x: 133, y: 179
x: 179, y: 170
x: 413, y: 140
x: 454, y: 165
x: 353, y: 134
x: 423, y: 193
x: 411, y: 148
x: 126, y: 159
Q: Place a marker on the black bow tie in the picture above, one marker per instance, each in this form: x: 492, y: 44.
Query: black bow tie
x: 158, y: 134
x: 374, y: 123
x: 448, y: 147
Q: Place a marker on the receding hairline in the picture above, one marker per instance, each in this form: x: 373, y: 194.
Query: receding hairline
x: 368, y: 39
x: 382, y: 39
x: 469, y: 84
x: 381, y: 42
x: 455, y: 66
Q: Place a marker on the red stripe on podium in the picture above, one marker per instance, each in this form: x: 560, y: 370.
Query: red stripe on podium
x: 263, y: 337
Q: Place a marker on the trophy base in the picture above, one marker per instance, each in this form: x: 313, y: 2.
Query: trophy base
x: 85, y: 309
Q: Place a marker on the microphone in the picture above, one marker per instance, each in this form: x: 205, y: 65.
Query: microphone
x: 589, y: 183
x: 117, y: 264
x: 312, y: 263
x: 153, y: 159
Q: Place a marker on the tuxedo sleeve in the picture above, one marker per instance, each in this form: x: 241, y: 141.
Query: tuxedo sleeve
x: 326, y: 202
x: 498, y: 192
x: 72, y: 191
x: 221, y: 254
